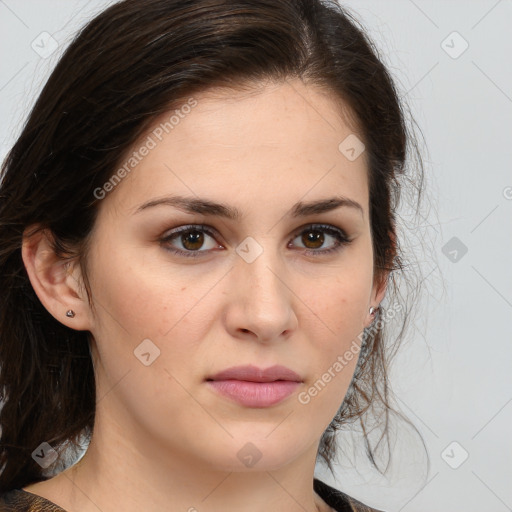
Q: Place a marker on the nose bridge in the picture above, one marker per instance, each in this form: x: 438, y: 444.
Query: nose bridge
x: 261, y: 301
x: 262, y: 274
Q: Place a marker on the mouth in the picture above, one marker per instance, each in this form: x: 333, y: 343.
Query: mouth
x: 251, y: 386
x: 251, y: 373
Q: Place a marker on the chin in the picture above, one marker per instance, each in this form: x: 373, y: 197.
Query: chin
x: 255, y: 453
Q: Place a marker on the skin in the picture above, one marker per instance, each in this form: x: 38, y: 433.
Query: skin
x: 162, y: 436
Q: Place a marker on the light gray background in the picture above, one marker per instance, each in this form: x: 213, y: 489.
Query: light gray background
x: 453, y: 376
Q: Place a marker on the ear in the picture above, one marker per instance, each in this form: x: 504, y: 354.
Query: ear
x: 378, y: 293
x: 56, y: 282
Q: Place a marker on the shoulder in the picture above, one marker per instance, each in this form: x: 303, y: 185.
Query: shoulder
x: 18, y: 500
x: 338, y: 500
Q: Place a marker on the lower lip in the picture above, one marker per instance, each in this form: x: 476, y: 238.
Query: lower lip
x: 255, y: 394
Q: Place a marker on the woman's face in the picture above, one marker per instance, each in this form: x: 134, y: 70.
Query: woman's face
x: 239, y: 236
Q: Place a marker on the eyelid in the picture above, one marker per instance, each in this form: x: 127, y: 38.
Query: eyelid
x: 319, y: 225
x: 342, y: 239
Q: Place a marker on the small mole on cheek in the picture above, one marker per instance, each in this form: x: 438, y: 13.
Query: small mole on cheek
x: 184, y: 288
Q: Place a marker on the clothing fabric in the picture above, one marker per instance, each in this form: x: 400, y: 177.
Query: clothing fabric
x: 338, y: 500
x: 18, y: 500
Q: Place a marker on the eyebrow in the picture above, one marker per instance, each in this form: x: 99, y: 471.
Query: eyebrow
x: 207, y: 207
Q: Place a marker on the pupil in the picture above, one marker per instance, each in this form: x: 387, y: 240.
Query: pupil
x: 317, y: 240
x: 193, y: 240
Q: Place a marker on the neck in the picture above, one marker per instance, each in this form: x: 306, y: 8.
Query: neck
x: 122, y: 470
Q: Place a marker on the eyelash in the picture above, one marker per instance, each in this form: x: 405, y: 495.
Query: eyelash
x: 341, y: 239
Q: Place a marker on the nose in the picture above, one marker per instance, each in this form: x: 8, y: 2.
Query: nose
x: 261, y: 304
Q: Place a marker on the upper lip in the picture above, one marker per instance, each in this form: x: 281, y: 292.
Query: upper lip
x: 254, y: 374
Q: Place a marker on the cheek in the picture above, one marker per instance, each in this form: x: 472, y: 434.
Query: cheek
x: 136, y: 303
x: 335, y: 341
x: 140, y: 298
x: 340, y: 303
x: 335, y: 330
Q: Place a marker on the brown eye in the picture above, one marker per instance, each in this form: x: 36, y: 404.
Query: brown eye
x: 192, y: 240
x: 313, y: 239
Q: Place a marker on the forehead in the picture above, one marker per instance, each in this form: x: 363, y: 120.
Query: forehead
x: 278, y: 139
x: 275, y: 114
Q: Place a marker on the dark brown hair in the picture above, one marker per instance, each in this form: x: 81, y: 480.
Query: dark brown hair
x: 133, y: 62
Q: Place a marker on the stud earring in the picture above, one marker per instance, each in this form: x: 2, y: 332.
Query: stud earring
x: 373, y: 310
x: 70, y: 313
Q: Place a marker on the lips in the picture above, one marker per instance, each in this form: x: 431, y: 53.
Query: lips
x: 251, y: 386
x: 255, y: 374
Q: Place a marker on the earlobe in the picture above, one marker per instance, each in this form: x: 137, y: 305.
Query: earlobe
x: 53, y: 281
x: 378, y: 293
